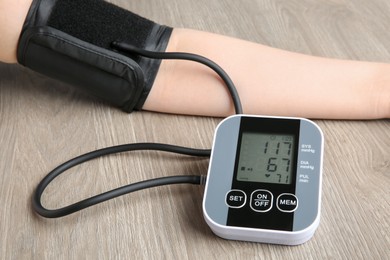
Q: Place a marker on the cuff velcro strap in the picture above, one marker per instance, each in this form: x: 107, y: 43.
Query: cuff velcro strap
x: 106, y: 74
x: 52, y: 43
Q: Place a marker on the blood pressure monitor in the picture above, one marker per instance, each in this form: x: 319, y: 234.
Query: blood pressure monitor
x: 264, y: 179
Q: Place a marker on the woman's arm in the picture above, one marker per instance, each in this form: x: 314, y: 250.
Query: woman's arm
x: 270, y: 81
x: 12, y: 15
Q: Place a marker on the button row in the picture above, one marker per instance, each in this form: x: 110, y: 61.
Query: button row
x: 262, y: 200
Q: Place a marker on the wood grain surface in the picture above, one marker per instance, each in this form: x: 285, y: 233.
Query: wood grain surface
x: 44, y: 123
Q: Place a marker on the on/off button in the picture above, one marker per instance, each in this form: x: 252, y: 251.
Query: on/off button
x: 261, y: 200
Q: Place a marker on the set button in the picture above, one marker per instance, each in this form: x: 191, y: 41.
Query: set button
x: 235, y: 199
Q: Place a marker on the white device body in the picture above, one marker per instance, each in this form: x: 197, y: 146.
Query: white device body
x: 264, y: 179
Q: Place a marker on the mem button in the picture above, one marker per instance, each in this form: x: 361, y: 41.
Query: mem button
x: 287, y: 202
x: 235, y: 199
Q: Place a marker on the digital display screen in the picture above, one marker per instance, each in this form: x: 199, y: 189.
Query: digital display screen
x: 266, y: 158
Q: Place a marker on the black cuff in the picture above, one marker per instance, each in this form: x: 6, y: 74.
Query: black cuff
x: 70, y: 41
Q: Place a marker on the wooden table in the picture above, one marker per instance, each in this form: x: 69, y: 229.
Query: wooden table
x: 44, y: 123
